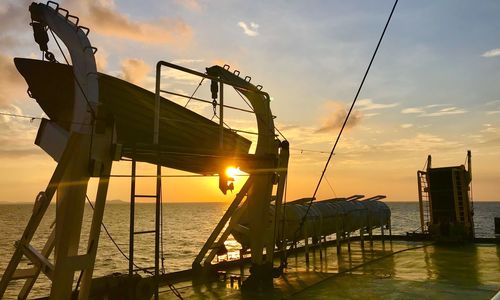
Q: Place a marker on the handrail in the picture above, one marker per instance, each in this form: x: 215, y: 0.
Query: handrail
x: 193, y: 72
x: 206, y: 101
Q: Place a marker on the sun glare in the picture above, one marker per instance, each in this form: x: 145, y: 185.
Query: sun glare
x: 232, y: 172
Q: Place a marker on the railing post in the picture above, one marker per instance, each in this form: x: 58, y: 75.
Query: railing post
x: 156, y: 137
x: 221, y: 116
x: 132, y: 220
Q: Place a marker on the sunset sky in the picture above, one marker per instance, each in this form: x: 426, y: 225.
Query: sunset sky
x: 434, y: 87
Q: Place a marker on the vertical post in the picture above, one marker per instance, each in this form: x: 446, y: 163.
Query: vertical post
x: 132, y: 221
x: 69, y: 215
x: 156, y: 137
x: 428, y: 186
x: 382, y: 232
x: 242, y: 266
x: 321, y: 248
x: 337, y: 237
x: 350, y: 262
x: 306, y: 248
x: 156, y: 130
x: 337, y: 242
x: 157, y: 228
x: 390, y: 229
x: 326, y: 250
x: 95, y: 230
x: 361, y: 238
x: 370, y: 233
x: 471, y: 200
x: 284, y: 156
x: 349, y: 242
x: 221, y: 116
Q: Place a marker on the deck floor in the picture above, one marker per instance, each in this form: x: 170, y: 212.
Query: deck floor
x: 384, y: 270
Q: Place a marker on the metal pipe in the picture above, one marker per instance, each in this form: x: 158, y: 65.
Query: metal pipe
x: 156, y: 130
x: 193, y: 72
x: 469, y: 164
x: 156, y: 135
x: 221, y: 116
x: 207, y: 101
x: 132, y: 221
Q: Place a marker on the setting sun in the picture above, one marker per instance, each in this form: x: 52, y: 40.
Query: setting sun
x: 232, y: 172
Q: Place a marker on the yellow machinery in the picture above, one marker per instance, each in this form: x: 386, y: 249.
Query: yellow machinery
x: 446, y: 207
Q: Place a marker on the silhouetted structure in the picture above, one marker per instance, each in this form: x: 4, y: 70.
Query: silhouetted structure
x: 446, y: 209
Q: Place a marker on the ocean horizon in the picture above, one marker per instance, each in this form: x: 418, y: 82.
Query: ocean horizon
x: 186, y: 227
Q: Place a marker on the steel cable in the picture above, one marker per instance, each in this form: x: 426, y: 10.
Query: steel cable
x: 345, y: 121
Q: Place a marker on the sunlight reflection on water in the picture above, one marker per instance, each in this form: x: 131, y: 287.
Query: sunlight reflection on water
x: 187, y: 226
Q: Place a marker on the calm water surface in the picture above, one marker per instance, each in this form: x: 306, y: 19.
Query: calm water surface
x: 187, y: 226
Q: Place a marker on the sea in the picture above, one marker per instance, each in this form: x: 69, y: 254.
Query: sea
x: 185, y: 230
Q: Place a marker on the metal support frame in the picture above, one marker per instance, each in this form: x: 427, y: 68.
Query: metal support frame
x: 259, y: 195
x: 95, y: 229
x: 221, y: 116
x: 69, y: 214
x: 71, y: 175
x: 469, y: 191
x: 278, y: 203
x: 223, y: 221
x: 67, y: 260
x: 131, y: 239
x: 41, y: 204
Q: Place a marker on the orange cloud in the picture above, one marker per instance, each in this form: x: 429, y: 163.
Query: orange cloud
x: 103, y: 18
x: 334, y: 116
x: 101, y: 60
x: 12, y: 85
x: 135, y: 70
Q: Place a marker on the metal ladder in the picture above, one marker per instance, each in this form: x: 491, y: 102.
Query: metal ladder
x: 459, y: 192
x: 133, y: 268
x: 39, y: 259
x: 423, y: 193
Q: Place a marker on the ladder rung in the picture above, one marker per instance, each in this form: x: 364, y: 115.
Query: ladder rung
x: 46, y: 266
x: 145, y: 196
x: 144, y: 231
x: 24, y: 273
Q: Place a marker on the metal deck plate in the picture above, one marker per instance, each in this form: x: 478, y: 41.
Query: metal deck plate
x: 385, y: 270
